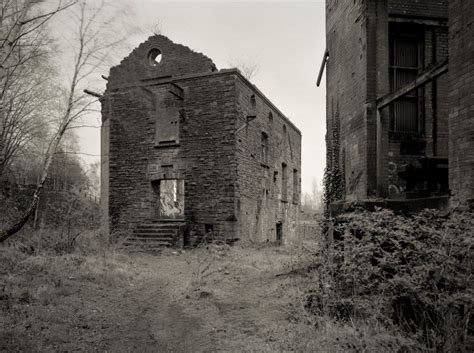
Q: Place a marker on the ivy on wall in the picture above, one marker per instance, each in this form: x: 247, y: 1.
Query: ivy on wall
x: 334, y: 183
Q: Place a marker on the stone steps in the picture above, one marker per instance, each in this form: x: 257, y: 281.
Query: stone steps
x: 152, y: 237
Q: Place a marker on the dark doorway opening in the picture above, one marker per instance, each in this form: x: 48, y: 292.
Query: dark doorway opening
x: 279, y: 233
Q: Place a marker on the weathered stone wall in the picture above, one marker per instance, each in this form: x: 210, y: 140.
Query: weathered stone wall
x: 208, y: 148
x: 264, y: 199
x: 143, y: 110
x: 135, y: 69
x: 461, y: 97
x: 164, y: 124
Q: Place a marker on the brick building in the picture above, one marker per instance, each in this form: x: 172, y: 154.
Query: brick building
x: 187, y: 146
x: 461, y: 98
x: 394, y: 129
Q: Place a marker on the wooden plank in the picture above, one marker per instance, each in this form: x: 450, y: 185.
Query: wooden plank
x: 421, y: 80
x: 321, y: 69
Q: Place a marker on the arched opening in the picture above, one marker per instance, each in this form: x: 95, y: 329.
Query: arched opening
x: 154, y: 57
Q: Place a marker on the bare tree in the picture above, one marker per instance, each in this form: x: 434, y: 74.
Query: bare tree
x: 23, y: 51
x: 249, y: 67
x: 93, y: 44
x: 311, y: 202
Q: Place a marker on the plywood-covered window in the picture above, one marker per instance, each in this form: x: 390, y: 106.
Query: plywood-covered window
x: 406, y: 51
x: 167, y: 126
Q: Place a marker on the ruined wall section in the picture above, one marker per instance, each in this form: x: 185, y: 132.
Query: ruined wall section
x: 176, y: 59
x: 131, y: 142
x: 347, y: 91
x: 461, y: 116
x: 157, y: 126
x: 268, y: 147
x: 208, y: 145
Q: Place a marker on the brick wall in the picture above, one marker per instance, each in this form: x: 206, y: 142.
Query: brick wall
x: 419, y: 8
x: 461, y: 115
x: 263, y: 202
x: 358, y: 74
x: 347, y: 91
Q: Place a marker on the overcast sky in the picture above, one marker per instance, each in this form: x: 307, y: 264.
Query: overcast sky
x: 286, y: 39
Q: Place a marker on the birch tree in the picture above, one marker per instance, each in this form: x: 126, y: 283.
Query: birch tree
x: 24, y: 48
x: 95, y: 39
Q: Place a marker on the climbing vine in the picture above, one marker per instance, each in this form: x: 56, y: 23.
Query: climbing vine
x: 334, y: 172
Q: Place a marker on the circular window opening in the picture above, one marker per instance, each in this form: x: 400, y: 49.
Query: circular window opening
x: 154, y: 57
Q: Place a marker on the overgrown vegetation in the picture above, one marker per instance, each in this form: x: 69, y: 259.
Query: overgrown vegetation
x: 334, y: 179
x: 409, y: 274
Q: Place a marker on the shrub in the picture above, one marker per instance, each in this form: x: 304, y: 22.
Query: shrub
x: 409, y: 271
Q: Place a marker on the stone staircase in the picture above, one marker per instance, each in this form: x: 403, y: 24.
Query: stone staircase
x: 153, y: 237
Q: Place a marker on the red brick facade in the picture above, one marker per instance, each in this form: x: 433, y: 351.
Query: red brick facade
x: 181, y: 119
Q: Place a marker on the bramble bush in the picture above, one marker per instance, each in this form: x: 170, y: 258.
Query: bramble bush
x: 412, y: 272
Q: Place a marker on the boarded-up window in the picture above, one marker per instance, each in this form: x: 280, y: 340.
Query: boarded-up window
x: 406, y: 113
x: 167, y: 126
x: 284, y: 182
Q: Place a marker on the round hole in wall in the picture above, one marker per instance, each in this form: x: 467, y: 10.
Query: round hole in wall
x: 154, y: 57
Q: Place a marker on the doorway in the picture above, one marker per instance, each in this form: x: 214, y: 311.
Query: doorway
x: 279, y: 233
x: 170, y: 199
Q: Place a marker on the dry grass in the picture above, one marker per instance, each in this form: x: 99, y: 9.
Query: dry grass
x: 214, y: 298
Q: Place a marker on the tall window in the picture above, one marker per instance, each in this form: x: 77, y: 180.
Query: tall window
x: 264, y: 148
x: 295, y: 187
x: 284, y: 182
x: 406, y: 113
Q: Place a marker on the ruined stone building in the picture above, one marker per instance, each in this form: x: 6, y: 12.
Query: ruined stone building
x: 400, y: 85
x: 188, y: 147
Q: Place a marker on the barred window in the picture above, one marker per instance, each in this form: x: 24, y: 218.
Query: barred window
x: 406, y: 50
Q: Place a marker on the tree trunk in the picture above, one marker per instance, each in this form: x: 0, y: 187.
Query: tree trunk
x: 4, y: 235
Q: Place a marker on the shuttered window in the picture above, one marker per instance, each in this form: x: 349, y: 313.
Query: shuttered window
x: 406, y: 113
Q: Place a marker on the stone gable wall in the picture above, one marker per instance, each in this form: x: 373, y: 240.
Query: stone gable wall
x: 176, y: 60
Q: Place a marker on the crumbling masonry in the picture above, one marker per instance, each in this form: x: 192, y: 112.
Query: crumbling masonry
x: 188, y: 147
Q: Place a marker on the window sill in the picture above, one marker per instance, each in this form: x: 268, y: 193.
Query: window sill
x: 406, y: 136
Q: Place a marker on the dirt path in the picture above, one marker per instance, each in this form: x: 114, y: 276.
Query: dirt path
x: 205, y: 300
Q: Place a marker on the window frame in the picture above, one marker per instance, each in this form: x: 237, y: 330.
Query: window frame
x: 397, y: 34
